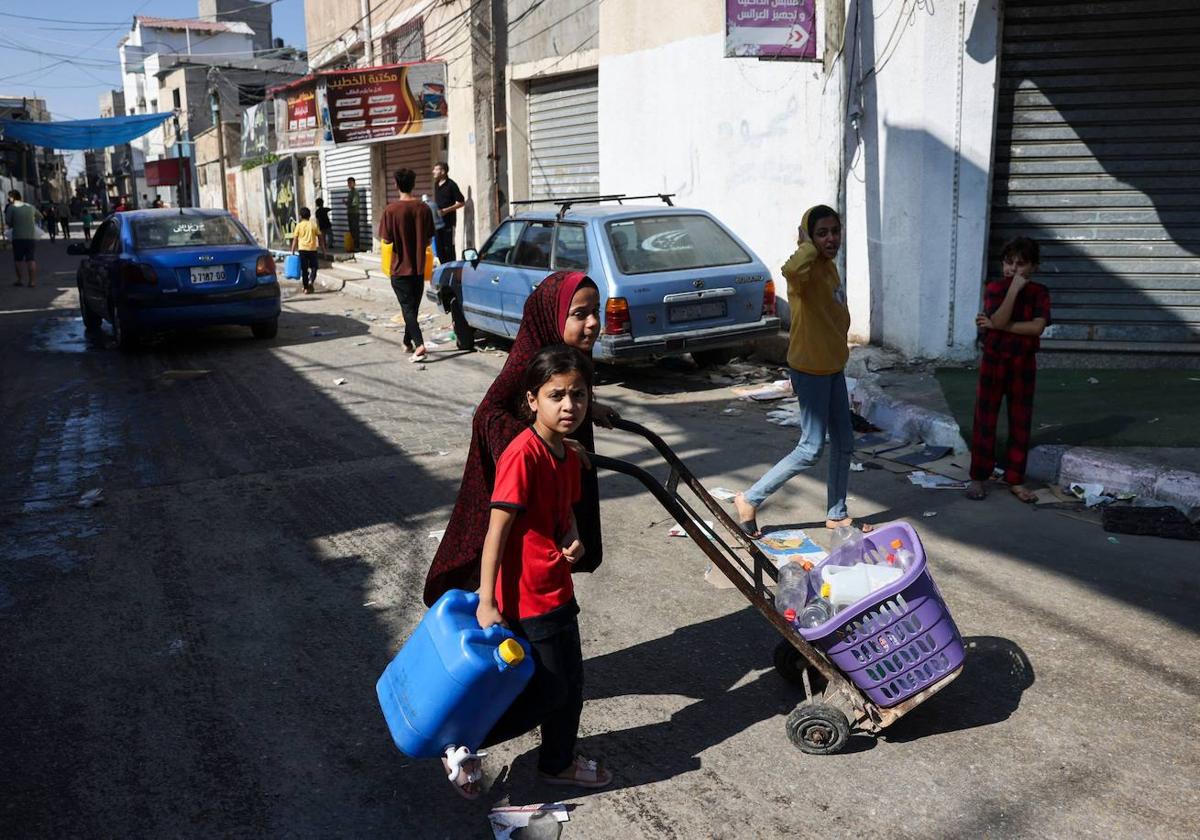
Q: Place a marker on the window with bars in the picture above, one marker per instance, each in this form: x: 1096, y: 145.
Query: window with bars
x: 405, y: 44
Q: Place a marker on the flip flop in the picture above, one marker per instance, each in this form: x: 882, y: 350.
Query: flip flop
x: 454, y: 762
x: 585, y: 774
x: 751, y: 529
x: 864, y: 527
x: 418, y: 357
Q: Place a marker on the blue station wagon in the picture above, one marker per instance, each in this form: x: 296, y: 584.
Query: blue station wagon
x: 672, y: 280
x: 148, y: 270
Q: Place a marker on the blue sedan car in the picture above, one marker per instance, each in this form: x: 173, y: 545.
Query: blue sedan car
x: 148, y: 270
x: 672, y: 280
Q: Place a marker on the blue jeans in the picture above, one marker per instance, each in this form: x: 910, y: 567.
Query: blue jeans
x: 824, y: 407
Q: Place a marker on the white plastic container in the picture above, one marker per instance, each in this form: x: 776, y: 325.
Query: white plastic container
x: 848, y: 584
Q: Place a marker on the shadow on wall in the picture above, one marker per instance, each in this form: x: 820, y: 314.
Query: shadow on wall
x: 1107, y: 191
x: 1096, y: 158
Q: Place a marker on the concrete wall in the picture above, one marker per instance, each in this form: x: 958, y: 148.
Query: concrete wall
x: 257, y: 15
x: 923, y: 83
x: 753, y: 142
x: 538, y: 30
x: 251, y: 202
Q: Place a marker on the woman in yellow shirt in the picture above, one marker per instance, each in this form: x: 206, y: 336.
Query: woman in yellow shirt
x: 817, y: 354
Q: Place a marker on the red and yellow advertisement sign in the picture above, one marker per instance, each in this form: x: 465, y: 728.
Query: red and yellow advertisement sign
x: 381, y: 102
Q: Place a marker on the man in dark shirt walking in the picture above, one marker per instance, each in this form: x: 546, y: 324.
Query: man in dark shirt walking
x: 407, y: 224
x: 449, y: 198
x: 324, y: 223
x: 353, y: 203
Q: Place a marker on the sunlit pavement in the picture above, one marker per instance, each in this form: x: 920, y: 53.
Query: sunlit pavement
x: 196, y: 655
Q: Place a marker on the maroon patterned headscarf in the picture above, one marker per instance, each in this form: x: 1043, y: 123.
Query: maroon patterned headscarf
x: 497, y: 421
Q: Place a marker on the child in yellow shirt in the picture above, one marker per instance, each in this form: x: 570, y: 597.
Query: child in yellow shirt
x: 307, y: 238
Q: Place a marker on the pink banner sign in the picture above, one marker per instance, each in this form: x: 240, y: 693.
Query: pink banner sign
x: 771, y: 29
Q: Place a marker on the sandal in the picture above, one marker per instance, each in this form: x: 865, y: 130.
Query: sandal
x: 584, y: 773
x: 864, y: 527
x: 749, y: 526
x: 976, y: 491
x: 1026, y: 496
x: 464, y: 770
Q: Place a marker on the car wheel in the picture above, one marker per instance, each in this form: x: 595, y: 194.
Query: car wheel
x: 713, y: 358
x: 91, y: 320
x: 265, y: 329
x: 124, y: 334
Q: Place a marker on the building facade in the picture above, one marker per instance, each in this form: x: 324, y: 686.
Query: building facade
x: 938, y: 130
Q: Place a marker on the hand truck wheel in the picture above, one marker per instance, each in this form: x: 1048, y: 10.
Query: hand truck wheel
x: 818, y: 729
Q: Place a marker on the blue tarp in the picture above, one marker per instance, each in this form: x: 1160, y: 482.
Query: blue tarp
x: 81, y: 134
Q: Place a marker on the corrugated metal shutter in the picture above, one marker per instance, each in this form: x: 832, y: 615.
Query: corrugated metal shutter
x: 564, y: 137
x: 1098, y: 158
x: 336, y: 166
x: 408, y: 154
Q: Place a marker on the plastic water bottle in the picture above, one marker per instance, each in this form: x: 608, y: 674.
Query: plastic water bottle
x: 791, y: 592
x: 900, y: 556
x: 818, y: 611
x: 845, y: 547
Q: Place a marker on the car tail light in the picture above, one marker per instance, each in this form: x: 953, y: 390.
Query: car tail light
x: 769, y: 298
x: 616, y: 316
x: 139, y: 273
x: 265, y: 266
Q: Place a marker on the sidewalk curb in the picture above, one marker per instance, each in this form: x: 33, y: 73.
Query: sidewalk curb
x: 1053, y: 464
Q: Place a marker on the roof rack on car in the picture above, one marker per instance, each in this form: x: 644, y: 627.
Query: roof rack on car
x: 564, y: 204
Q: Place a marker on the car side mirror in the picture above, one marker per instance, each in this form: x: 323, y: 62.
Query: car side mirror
x: 471, y: 256
x: 75, y: 249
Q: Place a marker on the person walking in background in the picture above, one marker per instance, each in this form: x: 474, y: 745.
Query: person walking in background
x: 407, y: 223
x: 449, y: 198
x: 307, y: 238
x: 122, y: 204
x: 817, y: 355
x: 158, y: 202
x: 1015, y: 312
x: 21, y: 219
x: 51, y: 219
x: 324, y: 223
x: 64, y: 219
x: 353, y: 204
x: 87, y: 225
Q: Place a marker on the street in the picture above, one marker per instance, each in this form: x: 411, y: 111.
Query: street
x: 196, y: 656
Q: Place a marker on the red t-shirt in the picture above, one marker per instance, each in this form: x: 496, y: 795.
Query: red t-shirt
x: 534, y: 577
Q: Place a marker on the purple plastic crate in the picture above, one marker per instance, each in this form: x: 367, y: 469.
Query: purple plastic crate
x: 899, y: 639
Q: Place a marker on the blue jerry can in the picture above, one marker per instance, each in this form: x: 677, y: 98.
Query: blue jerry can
x: 451, y: 681
x: 291, y: 266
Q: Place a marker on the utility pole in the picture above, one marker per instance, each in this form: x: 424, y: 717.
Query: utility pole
x: 179, y: 197
x: 366, y: 32
x: 215, y: 98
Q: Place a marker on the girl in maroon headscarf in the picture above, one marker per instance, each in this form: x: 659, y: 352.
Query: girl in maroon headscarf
x: 564, y: 309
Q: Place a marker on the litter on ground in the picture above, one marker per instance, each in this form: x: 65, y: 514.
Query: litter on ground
x: 91, y: 498
x: 929, y: 514
x: 855, y: 466
x: 932, y: 481
x: 723, y: 494
x: 506, y: 820
x: 437, y: 535
x: 339, y: 381
x: 777, y: 390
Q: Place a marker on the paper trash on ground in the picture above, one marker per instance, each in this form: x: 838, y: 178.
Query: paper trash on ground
x: 505, y: 821
x: 789, y: 416
x: 677, y: 529
x: 1091, y: 493
x: 777, y: 390
x: 932, y: 481
x: 723, y: 494
x: 855, y: 466
x: 437, y: 535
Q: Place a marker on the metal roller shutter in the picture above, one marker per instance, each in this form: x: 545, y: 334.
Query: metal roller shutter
x: 1098, y: 158
x: 337, y: 165
x: 564, y: 137
x: 408, y: 154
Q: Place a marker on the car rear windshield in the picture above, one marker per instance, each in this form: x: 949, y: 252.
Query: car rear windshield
x: 672, y: 243
x: 187, y: 232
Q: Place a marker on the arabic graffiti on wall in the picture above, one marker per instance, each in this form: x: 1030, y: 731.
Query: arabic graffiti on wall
x: 771, y: 28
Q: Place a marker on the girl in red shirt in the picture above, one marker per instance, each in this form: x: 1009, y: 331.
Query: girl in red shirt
x: 525, y: 580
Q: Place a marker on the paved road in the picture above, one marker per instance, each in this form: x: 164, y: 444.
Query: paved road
x: 197, y: 656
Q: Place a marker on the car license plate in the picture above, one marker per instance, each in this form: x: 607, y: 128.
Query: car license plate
x: 207, y: 275
x: 682, y: 312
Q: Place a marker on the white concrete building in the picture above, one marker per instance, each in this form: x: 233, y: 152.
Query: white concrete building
x: 154, y: 42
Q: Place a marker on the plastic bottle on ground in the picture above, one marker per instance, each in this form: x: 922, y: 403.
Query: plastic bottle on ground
x: 791, y: 591
x: 818, y: 611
